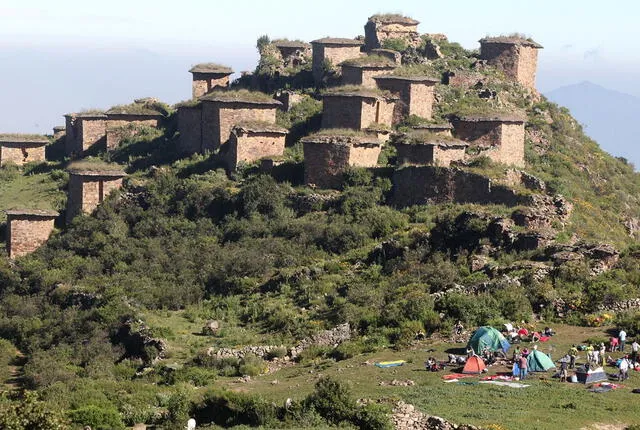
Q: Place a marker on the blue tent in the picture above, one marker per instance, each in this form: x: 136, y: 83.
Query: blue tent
x: 488, y: 337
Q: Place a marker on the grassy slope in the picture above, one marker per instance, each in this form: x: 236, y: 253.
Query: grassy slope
x: 33, y: 191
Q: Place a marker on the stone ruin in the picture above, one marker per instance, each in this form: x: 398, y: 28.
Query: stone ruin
x: 416, y: 94
x: 390, y: 26
x: 207, y: 77
x: 89, y: 185
x: 27, y: 230
x: 356, y: 108
x: 293, y: 53
x: 420, y: 147
x: 20, y: 149
x: 441, y: 129
x: 329, y: 52
x: 363, y: 70
x: 251, y: 141
x: 85, y: 132
x: 59, y: 132
x: 328, y: 156
x: 516, y: 56
x: 499, y: 136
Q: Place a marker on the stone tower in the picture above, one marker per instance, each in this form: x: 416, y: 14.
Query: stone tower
x: 517, y: 57
x: 207, y: 76
x: 89, y: 185
x: 27, y: 230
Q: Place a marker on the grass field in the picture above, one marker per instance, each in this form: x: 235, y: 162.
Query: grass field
x: 545, y: 404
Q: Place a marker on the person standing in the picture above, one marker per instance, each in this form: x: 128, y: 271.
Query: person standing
x: 623, y: 368
x: 603, y: 353
x: 573, y: 354
x: 635, y: 347
x: 563, y: 371
x: 522, y: 364
x: 622, y: 337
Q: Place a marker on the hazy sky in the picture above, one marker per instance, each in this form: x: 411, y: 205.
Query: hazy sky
x: 65, y: 55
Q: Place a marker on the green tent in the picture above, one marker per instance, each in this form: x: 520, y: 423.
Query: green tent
x: 539, y: 362
x: 488, y: 337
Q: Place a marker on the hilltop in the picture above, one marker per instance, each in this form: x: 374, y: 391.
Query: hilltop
x: 304, y: 240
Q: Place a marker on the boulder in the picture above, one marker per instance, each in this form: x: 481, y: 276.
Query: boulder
x: 211, y: 328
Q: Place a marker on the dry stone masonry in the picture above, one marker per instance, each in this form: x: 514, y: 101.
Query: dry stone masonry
x: 391, y: 26
x: 251, y: 141
x: 362, y: 71
x: 89, y: 186
x: 329, y: 52
x: 207, y: 77
x: 85, y: 133
x: 329, y: 156
x: 357, y: 109
x: 418, y: 147
x: 27, y: 230
x: 516, y: 56
x: 20, y: 149
x: 416, y: 94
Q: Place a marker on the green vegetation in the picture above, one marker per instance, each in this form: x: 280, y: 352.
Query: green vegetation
x: 369, y: 60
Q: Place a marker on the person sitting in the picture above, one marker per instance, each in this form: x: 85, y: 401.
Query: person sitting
x: 459, y: 328
x: 535, y: 337
x: 470, y: 352
x: 548, y: 332
x: 453, y: 359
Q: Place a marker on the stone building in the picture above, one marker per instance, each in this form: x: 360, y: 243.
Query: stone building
x: 516, y: 56
x: 363, y: 70
x: 127, y: 120
x: 59, y: 131
x: 390, y: 26
x: 27, y: 230
x: 423, y: 147
x: 416, y: 94
x: 294, y: 53
x: 251, y: 141
x: 222, y: 110
x: 331, y: 52
x: 89, y: 185
x: 327, y: 156
x: 207, y: 76
x: 441, y: 129
x: 289, y: 99
x: 86, y: 132
x: 20, y: 149
x: 356, y: 108
x: 498, y: 136
x: 190, y: 128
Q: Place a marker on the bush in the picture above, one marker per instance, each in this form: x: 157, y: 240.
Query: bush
x: 395, y: 44
x: 100, y: 418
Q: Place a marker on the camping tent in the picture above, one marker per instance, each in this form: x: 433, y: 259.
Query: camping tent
x: 488, y: 337
x: 593, y: 375
x: 538, y: 361
x: 474, y: 365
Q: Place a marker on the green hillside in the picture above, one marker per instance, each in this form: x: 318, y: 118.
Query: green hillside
x: 109, y: 313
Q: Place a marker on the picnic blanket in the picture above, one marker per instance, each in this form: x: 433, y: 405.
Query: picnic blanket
x: 544, y: 338
x: 385, y: 364
x: 505, y: 384
x: 456, y: 376
x: 497, y: 378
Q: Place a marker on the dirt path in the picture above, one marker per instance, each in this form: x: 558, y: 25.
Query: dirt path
x: 16, y: 373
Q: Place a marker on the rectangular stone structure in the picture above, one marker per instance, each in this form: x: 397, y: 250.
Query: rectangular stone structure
x: 222, y: 110
x: 327, y: 157
x: 498, y: 136
x: 362, y: 71
x: 416, y: 94
x: 85, y: 133
x: 208, y: 76
x: 89, y: 186
x: 517, y: 57
x: 27, y: 230
x: 356, y: 110
x: 59, y: 131
x: 420, y: 147
x: 190, y: 128
x: 390, y: 26
x: 294, y: 53
x: 252, y: 141
x: 332, y: 51
x: 20, y: 149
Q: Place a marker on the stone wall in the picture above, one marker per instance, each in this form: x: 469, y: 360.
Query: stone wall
x: 218, y: 119
x: 26, y: 233
x: 503, y: 142
x: 248, y: 146
x: 445, y: 155
x: 20, y: 153
x: 342, y: 112
x: 86, y: 192
x: 419, y: 185
x: 126, y: 126
x: 362, y: 75
x: 87, y: 134
x: 70, y: 139
x: 203, y: 83
x: 512, y: 144
x: 527, y: 66
x: 376, y: 32
x: 190, y: 128
x: 334, y: 54
x: 415, y: 98
x: 518, y: 62
x: 415, y: 154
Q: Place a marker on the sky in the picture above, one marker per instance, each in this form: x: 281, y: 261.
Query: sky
x: 66, y: 55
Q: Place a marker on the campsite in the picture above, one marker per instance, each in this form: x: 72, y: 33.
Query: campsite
x: 545, y: 403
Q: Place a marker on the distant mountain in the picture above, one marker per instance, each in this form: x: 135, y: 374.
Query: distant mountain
x: 608, y: 116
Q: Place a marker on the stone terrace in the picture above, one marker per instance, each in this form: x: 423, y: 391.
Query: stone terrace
x: 334, y: 51
x: 208, y: 76
x: 20, y: 149
x: 89, y: 185
x: 328, y: 156
x: 499, y: 136
x: 516, y: 56
x: 27, y: 230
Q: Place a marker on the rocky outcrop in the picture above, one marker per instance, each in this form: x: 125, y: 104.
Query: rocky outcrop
x: 601, y: 256
x: 543, y: 212
x: 407, y: 417
x: 138, y: 341
x: 515, y: 177
x: 621, y: 306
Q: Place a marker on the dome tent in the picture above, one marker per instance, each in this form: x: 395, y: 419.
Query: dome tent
x: 488, y: 337
x: 538, y: 361
x: 474, y: 365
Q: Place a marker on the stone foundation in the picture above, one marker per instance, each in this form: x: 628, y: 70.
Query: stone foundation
x: 27, y: 230
x: 326, y: 158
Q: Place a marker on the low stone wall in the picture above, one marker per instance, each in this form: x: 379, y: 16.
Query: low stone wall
x: 407, y: 417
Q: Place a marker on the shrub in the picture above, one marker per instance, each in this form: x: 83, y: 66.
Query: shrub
x: 395, y: 44
x: 100, y: 418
